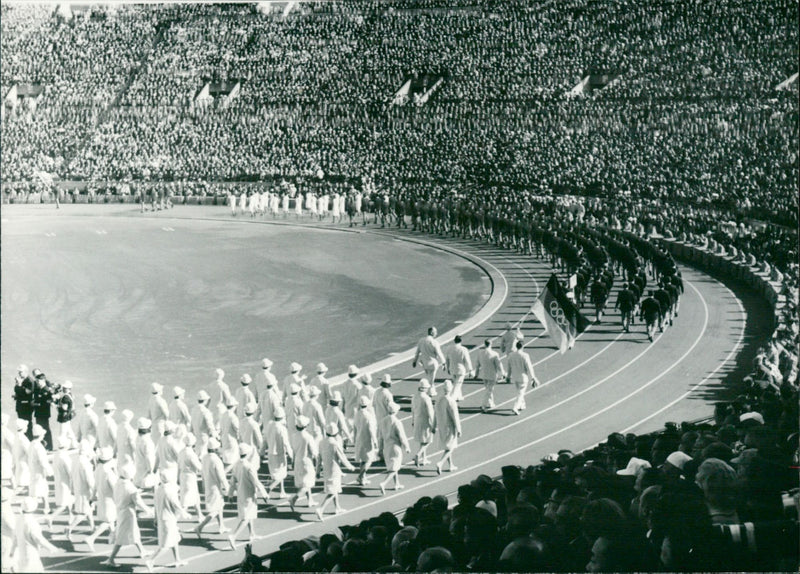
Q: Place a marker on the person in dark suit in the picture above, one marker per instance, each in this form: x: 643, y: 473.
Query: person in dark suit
x: 23, y: 396
x: 41, y: 401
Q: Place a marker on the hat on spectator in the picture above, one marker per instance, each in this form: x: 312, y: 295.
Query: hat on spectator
x: 156, y: 388
x: 363, y: 401
x: 189, y: 439
x: 552, y: 457
x: 202, y: 396
x: 296, y: 367
x: 393, y: 408
x: 678, y: 459
x: 386, y: 379
x: 266, y: 363
x: 178, y: 391
x: 89, y: 400
x: 250, y: 408
x: 753, y: 416
x: 105, y: 454
x: 67, y: 385
x: 489, y: 506
x: 279, y: 413
x: 144, y: 423
x: 127, y: 415
x: 23, y: 370
x: 352, y: 370
x: 109, y: 406
x: 246, y: 379
x: 37, y: 431
x: 634, y: 466
x: 424, y: 385
x: 302, y: 422
x: 294, y: 389
x: 322, y: 368
x: 331, y: 429
x: 213, y: 443
x: 37, y: 374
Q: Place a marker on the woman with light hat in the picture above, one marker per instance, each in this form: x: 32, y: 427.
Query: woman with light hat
x: 105, y: 479
x: 294, y: 407
x: 322, y: 384
x: 189, y: 467
x: 244, y: 394
x: 394, y: 443
x: 294, y: 377
x: 270, y: 399
x: 333, y: 459
x: 215, y: 486
x: 62, y: 480
x: 86, y: 422
x: 126, y: 441
x: 334, y: 414
x: 229, y: 434
x: 448, y: 426
x: 7, y: 453
x: 168, y: 448
x: 380, y: 404
x: 144, y: 457
x: 423, y: 421
x: 29, y: 540
x: 349, y: 391
x: 270, y: 380
x: 179, y: 412
x: 366, y: 390
x: 22, y: 471
x: 40, y: 467
x: 248, y: 488
x: 203, y: 423
x: 279, y: 450
x: 82, y: 478
x: 157, y: 408
x: 305, y: 451
x: 223, y: 393
x: 167, y: 508
x: 127, y: 499
x: 366, y: 441
x: 250, y: 433
x: 107, y: 426
x: 313, y: 410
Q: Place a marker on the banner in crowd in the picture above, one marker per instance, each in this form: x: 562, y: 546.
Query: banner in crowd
x: 560, y: 317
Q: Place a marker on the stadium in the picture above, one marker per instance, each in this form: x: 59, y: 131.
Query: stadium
x: 400, y: 285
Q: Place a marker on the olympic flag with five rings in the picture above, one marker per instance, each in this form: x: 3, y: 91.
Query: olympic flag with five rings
x: 559, y: 315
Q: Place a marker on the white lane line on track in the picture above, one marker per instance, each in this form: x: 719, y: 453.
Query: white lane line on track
x: 463, y: 470
x: 736, y: 347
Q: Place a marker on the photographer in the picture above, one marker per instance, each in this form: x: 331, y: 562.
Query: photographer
x: 41, y: 401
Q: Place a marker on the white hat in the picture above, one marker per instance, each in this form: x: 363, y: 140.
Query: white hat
x: 448, y: 385
x: 386, y: 379
x: 250, y: 408
x: 302, y: 421
x: 109, y: 406
x: 220, y: 373
x: 170, y: 427
x: 245, y: 449
x: 678, y: 459
x: 231, y: 402
x: 424, y: 385
x: 336, y: 396
x: 266, y: 363
x: 246, y: 379
x: 189, y: 439
x: 23, y: 369
x: 393, y: 408
x: 66, y: 385
x: 144, y: 423
x: 753, y: 416
x: 634, y: 466
x: 202, y: 396
x: 279, y: 413
x: 38, y: 431
x: 322, y: 368
x: 331, y: 429
x: 363, y: 401
x: 213, y: 443
x: 178, y: 391
x: 352, y: 370
x: 105, y: 454
x: 156, y: 388
x: 296, y: 367
x: 89, y: 400
x: 366, y: 378
x: 294, y: 388
x: 313, y: 391
x: 489, y: 506
x: 126, y: 472
x: 127, y: 415
x: 22, y: 424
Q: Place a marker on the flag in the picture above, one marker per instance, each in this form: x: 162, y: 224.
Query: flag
x: 559, y: 315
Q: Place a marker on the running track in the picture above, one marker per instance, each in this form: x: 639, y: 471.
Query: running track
x: 611, y: 381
